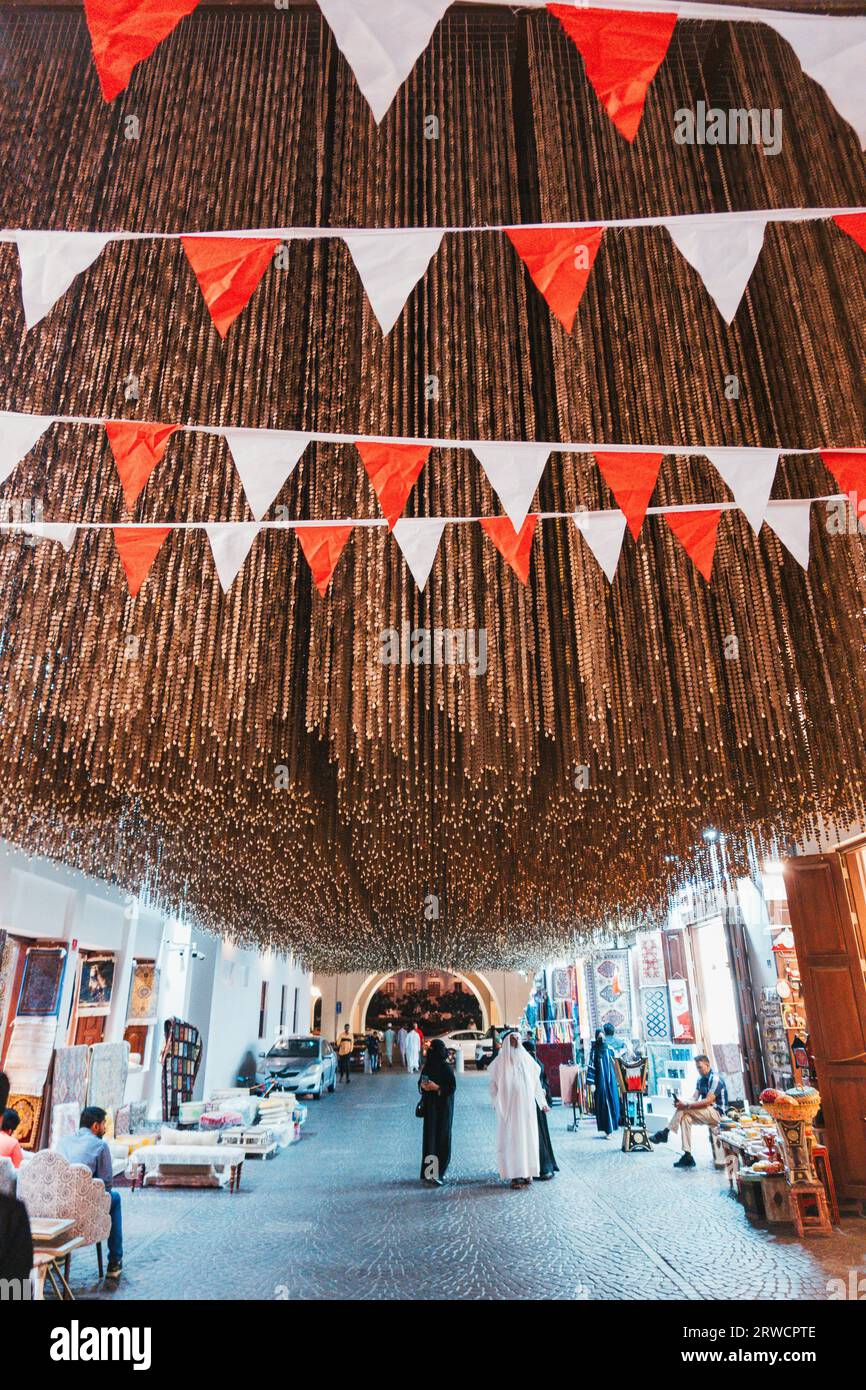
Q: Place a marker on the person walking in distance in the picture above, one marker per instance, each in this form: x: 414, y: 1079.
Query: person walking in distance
x: 345, y: 1048
x: 389, y: 1045
x: 413, y: 1051
x: 402, y: 1035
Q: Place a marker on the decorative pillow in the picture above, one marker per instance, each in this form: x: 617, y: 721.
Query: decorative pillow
x: 183, y: 1137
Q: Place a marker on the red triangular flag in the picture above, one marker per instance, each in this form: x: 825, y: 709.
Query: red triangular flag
x: 393, y: 470
x: 849, y: 470
x: 632, y: 479
x: 322, y: 546
x: 621, y: 51
x: 697, y: 533
x: 228, y: 270
x: 513, y: 546
x: 122, y: 32
x: 559, y: 259
x: 137, y: 547
x: 137, y: 450
x: 854, y: 223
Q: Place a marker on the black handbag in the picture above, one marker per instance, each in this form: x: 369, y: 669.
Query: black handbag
x: 419, y: 1108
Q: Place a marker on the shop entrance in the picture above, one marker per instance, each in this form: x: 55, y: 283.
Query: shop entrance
x: 719, y: 1003
x: 436, y: 999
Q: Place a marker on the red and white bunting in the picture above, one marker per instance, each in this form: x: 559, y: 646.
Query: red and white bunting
x: 230, y: 544
x: 49, y: 263
x: 18, y: 435
x: 418, y: 539
x: 791, y: 522
x: 393, y: 469
x: 390, y: 264
x: 834, y: 56
x: 515, y: 546
x: 750, y: 474
x: 137, y: 547
x: 559, y: 260
x: 622, y: 50
x: 137, y: 449
x: 382, y: 42
x: 632, y: 479
x: 603, y: 533
x: 622, y: 46
x: 697, y: 532
x: 228, y: 270
x: 52, y: 531
x: 264, y: 459
x: 723, y: 250
x: 514, y: 472
x: 322, y: 547
x: 123, y: 32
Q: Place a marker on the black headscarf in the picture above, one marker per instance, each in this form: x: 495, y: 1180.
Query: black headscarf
x: 436, y: 1066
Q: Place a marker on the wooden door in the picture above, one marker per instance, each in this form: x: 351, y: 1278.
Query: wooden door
x: 828, y: 939
x: 90, y: 1029
x: 136, y: 1036
x: 754, y: 1074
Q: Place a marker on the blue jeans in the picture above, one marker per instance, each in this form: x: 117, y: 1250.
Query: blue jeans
x: 115, y: 1235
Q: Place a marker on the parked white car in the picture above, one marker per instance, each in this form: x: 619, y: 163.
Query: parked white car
x: 465, y: 1040
x: 303, y: 1063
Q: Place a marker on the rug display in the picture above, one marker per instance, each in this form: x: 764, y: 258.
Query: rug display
x: 609, y: 992
x: 8, y: 958
x: 143, y: 993
x: 29, y: 1054
x: 64, y: 1120
x: 42, y: 982
x: 109, y: 1064
x: 656, y: 1015
x: 681, y: 1012
x: 181, y: 1055
x: 96, y: 985
x: 650, y: 960
x: 29, y: 1110
x: 70, y: 1075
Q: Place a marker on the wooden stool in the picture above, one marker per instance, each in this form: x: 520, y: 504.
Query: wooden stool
x: 750, y: 1192
x: 821, y: 1159
x: 809, y: 1210
x: 776, y: 1192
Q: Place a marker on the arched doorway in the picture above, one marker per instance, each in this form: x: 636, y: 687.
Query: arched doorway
x: 476, y: 984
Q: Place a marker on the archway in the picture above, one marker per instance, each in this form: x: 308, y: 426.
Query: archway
x: 476, y: 984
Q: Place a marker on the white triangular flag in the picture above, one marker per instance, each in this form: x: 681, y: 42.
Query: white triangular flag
x: 791, y: 523
x: 723, y: 250
x: 419, y: 538
x: 52, y: 531
x: 230, y: 543
x: 382, y: 41
x: 18, y: 434
x: 514, y: 472
x: 264, y: 460
x: 832, y: 51
x: 750, y: 474
x: 390, y: 265
x: 50, y: 262
x: 603, y: 533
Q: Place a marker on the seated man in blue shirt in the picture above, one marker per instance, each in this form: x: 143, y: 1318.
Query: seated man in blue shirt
x: 706, y: 1107
x: 88, y: 1146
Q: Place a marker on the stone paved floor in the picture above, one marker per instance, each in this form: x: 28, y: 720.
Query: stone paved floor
x: 341, y: 1215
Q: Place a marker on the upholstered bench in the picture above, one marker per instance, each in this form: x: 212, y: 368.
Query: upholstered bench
x: 183, y: 1159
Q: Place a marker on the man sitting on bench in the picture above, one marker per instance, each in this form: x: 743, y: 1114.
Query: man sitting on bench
x: 706, y: 1107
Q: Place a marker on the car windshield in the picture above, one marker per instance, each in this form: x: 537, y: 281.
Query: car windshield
x: 295, y: 1047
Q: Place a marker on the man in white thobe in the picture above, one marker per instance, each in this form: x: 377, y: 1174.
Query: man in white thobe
x: 515, y: 1088
x: 413, y: 1051
x: 401, y: 1043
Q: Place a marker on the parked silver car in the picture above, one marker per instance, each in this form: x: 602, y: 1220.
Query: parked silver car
x: 302, y: 1063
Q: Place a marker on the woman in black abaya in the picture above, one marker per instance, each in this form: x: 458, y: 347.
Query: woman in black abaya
x: 437, y: 1084
x: 546, y: 1161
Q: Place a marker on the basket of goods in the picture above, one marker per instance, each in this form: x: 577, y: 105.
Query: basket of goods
x: 793, y: 1112
x: 768, y: 1166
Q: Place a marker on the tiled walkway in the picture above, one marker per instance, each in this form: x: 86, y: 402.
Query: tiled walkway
x: 342, y: 1215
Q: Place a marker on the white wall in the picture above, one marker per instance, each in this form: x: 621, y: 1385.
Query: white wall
x: 204, y: 980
